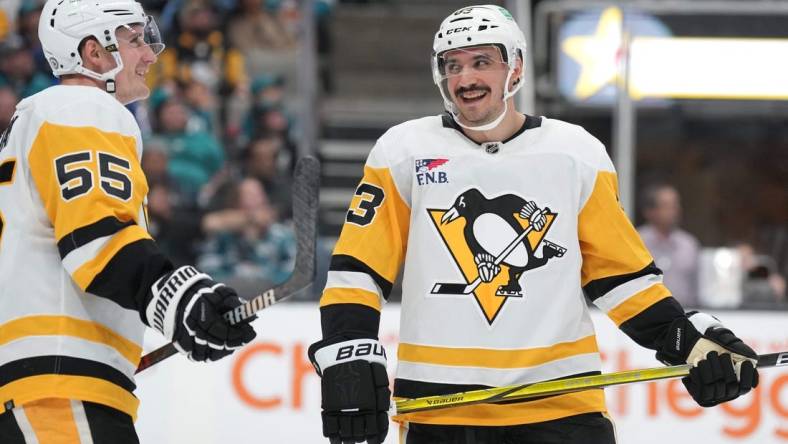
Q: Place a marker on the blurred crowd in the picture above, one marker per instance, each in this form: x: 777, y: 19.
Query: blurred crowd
x: 734, y: 276
x: 218, y: 128
x: 221, y: 141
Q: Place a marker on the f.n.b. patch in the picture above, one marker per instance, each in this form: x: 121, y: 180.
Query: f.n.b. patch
x: 427, y: 171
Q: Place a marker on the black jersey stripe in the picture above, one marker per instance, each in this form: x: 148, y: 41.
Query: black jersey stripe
x: 600, y: 287
x: 63, y: 365
x: 338, y: 318
x: 649, y: 327
x: 129, y: 275
x: 7, y: 171
x: 407, y: 388
x: 343, y: 262
x: 82, y: 236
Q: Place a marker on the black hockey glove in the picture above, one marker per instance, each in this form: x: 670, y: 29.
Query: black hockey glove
x: 355, y: 388
x: 723, y: 366
x: 186, y: 306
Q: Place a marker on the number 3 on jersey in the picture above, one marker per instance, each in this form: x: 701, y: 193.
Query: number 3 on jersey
x: 370, y: 198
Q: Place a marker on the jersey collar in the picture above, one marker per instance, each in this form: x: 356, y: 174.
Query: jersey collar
x: 531, y: 122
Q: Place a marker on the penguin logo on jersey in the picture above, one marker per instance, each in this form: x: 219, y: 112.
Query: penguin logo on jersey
x: 493, y: 242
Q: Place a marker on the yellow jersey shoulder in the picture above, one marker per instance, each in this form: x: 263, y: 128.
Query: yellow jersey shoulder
x: 80, y: 106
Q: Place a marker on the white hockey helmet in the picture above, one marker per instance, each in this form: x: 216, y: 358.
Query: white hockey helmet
x: 64, y: 24
x: 478, y: 26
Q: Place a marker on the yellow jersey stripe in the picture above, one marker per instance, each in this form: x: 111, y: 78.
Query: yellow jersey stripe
x: 337, y: 295
x: 540, y: 410
x: 46, y: 325
x: 89, y: 270
x: 503, y: 359
x: 638, y: 303
x: 85, y: 388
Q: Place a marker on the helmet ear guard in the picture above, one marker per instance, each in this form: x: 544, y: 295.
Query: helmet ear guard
x: 478, y: 26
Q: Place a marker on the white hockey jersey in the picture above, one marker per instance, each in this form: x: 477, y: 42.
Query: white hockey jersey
x: 445, y: 207
x: 75, y: 254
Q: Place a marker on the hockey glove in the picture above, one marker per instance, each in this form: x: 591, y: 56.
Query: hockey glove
x: 186, y: 306
x: 355, y: 389
x: 723, y: 367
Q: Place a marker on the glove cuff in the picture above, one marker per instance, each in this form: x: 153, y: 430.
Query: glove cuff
x: 166, y: 294
x: 681, y: 337
x: 326, y: 356
x: 703, y: 322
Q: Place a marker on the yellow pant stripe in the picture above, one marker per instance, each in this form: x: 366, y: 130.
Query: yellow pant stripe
x: 53, y: 421
x: 26, y: 390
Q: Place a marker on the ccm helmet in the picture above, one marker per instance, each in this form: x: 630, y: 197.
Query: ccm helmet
x: 477, y: 26
x: 64, y: 24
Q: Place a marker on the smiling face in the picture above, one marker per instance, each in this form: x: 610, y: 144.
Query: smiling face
x: 474, y: 79
x: 137, y: 57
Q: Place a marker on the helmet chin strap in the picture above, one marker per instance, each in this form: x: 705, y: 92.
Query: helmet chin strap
x: 486, y: 126
x: 498, y: 120
x: 108, y: 77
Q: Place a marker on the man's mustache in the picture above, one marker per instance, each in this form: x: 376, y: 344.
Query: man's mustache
x: 464, y: 89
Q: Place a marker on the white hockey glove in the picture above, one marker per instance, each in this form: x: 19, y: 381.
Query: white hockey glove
x: 485, y: 262
x: 534, y: 215
x: 355, y: 388
x: 723, y: 365
x: 186, y: 306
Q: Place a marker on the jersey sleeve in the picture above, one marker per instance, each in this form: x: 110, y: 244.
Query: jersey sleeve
x: 92, y: 188
x: 618, y: 273
x: 369, y: 253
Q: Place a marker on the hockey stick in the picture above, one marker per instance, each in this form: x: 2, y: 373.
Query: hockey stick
x: 457, y: 288
x: 560, y: 386
x: 305, y: 205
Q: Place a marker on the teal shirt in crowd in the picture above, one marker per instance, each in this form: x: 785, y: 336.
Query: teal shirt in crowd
x: 229, y: 255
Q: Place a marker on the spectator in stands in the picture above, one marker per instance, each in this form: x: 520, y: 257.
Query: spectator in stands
x: 18, y: 68
x: 176, y: 229
x: 195, y: 156
x: 203, y: 106
x: 255, y: 27
x: 245, y: 241
x: 271, y: 119
x: 263, y: 31
x: 762, y: 284
x: 201, y: 51
x: 261, y: 161
x: 8, y: 101
x: 27, y: 29
x: 268, y: 90
x: 675, y: 251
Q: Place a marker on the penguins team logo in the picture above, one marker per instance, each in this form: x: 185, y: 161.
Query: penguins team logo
x: 493, y: 242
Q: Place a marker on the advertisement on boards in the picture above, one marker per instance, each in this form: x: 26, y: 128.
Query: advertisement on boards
x: 269, y: 393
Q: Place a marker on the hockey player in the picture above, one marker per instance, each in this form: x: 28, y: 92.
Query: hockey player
x: 81, y: 277
x: 469, y: 201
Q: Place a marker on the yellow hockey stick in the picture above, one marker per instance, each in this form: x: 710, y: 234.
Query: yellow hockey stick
x: 557, y: 387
